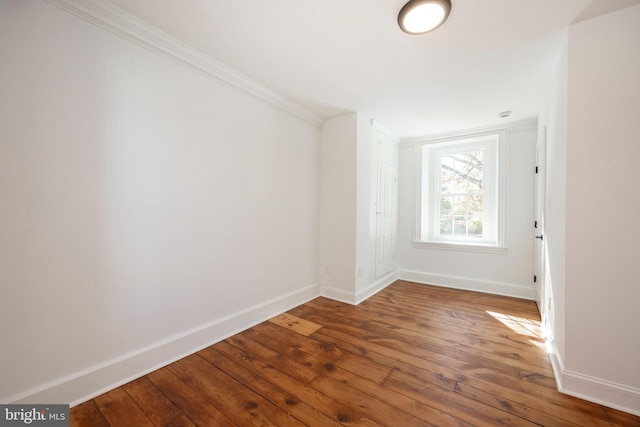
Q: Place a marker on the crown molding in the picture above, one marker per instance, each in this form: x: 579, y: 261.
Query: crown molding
x: 127, y: 26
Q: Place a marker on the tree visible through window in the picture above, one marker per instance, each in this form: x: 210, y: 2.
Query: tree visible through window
x: 459, y: 195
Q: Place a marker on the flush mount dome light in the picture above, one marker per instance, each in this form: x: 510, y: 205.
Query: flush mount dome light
x: 422, y: 16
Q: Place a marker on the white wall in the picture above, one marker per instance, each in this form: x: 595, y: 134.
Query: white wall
x: 338, y: 207
x: 365, y: 212
x: 507, y: 274
x: 554, y: 119
x: 145, y: 209
x: 347, y: 211
x: 602, y: 341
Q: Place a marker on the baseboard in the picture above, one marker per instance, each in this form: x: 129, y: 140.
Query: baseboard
x: 356, y: 298
x: 537, y: 297
x: 376, y: 287
x: 338, y: 295
x: 596, y: 390
x: 506, y: 289
x: 556, y: 362
x: 87, y: 384
x: 602, y: 392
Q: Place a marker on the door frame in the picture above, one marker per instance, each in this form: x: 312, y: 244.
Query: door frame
x: 540, y: 244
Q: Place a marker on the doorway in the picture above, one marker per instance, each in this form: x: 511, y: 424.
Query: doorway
x: 386, y: 205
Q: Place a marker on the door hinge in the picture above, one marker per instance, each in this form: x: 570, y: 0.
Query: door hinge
x: 535, y: 224
x: 535, y: 278
x: 536, y: 169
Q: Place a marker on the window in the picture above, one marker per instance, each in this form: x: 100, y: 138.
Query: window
x: 459, y: 193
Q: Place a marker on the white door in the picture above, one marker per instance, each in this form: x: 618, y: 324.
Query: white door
x: 540, y: 244
x: 386, y: 205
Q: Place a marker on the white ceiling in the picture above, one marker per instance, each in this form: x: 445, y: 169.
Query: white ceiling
x: 338, y: 56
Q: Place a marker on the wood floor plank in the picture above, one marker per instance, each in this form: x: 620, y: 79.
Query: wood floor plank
x: 304, y: 350
x: 456, y: 300
x: 447, y: 336
x: 459, y: 331
x: 395, y: 360
x: 416, y: 408
x: 238, y: 403
x: 454, y: 311
x: 370, y: 406
x: 317, y: 369
x: 410, y: 355
x: 446, y: 343
x: 120, y: 410
x: 343, y: 413
x: 544, y: 390
x: 487, y: 328
x: 153, y: 403
x: 180, y: 421
x: 304, y: 343
x: 288, y: 366
x: 425, y: 318
x: 296, y: 324
x: 87, y: 414
x: 342, y: 378
x: 522, y: 405
x: 279, y: 397
x: 462, y: 407
x: 194, y: 405
x: 425, y: 349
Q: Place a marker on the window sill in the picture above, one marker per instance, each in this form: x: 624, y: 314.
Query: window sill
x: 462, y: 247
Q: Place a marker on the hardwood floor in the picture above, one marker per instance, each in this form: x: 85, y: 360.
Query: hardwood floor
x: 412, y: 355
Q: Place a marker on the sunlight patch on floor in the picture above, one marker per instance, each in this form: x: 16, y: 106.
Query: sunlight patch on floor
x: 520, y: 325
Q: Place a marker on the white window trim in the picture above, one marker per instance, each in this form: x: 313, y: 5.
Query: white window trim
x: 497, y: 248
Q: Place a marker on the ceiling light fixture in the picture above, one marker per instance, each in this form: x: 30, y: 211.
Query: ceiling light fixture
x: 422, y: 16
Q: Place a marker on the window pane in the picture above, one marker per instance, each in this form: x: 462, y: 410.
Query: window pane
x: 446, y: 204
x: 447, y: 174
x: 461, y: 216
x: 461, y: 184
x: 475, y: 215
x: 475, y: 205
x: 461, y: 173
x: 475, y: 172
x: 460, y: 205
x: 475, y: 227
x: 460, y: 227
x: 446, y: 225
x: 461, y: 176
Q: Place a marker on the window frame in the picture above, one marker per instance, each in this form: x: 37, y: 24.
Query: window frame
x: 427, y: 205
